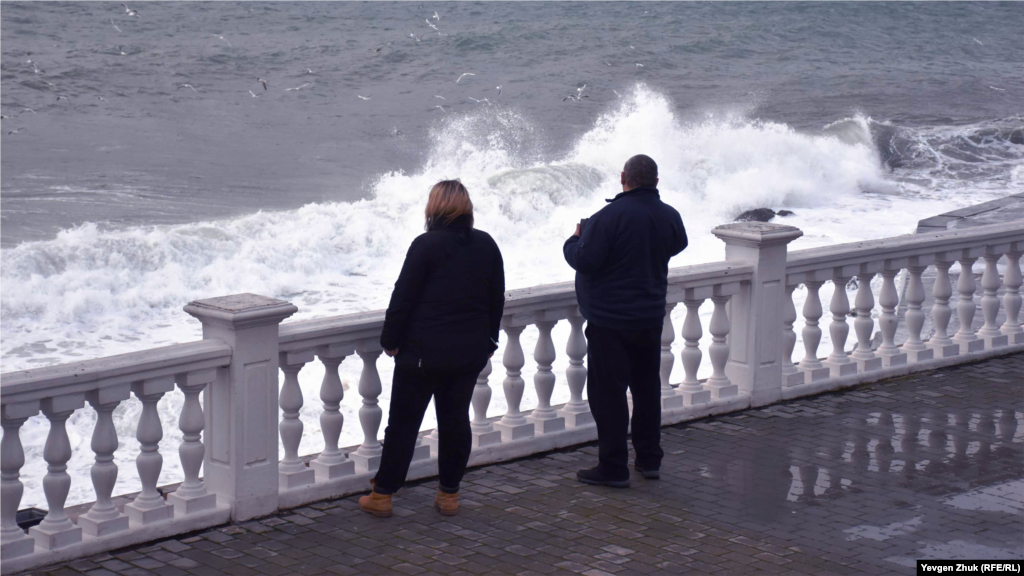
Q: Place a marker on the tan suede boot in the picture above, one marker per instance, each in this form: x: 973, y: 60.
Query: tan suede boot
x: 447, y: 504
x: 377, y: 504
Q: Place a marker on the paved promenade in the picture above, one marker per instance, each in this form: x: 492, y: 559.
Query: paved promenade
x: 860, y: 482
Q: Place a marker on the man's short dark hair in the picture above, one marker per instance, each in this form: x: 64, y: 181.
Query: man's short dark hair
x: 641, y: 172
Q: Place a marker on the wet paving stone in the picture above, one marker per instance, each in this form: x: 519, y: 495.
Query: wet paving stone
x: 865, y: 481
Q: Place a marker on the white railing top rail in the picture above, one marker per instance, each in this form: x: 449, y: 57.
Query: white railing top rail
x: 347, y: 331
x: 903, y: 247
x: 88, y: 375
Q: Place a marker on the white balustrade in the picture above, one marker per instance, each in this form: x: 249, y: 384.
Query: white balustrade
x: 103, y: 518
x: 940, y: 342
x: 57, y: 530
x: 331, y: 463
x: 545, y: 418
x: 192, y: 497
x: 915, y: 348
x: 292, y: 471
x: 669, y: 398
x: 718, y: 383
x: 889, y: 299
x: 367, y: 456
x: 577, y: 411
x: 484, y: 433
x: 990, y: 283
x: 863, y: 325
x: 839, y: 362
x: 791, y: 375
x: 691, y: 389
x: 513, y: 425
x: 149, y: 507
x: 1012, y: 280
x: 811, y: 366
x: 13, y: 539
x: 966, y: 337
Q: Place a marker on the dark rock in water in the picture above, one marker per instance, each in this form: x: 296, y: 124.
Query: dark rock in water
x: 756, y: 215
x: 785, y: 213
x: 1017, y: 136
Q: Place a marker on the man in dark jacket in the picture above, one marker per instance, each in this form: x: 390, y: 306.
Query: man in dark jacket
x: 621, y: 260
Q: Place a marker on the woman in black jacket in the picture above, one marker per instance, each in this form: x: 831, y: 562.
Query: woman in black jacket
x: 441, y: 327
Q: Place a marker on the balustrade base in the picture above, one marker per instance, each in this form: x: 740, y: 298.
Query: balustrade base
x: 547, y: 425
x: 54, y: 539
x: 510, y: 432
x: 366, y: 463
x: 16, y: 548
x: 868, y: 364
x: 893, y: 360
x: 795, y: 379
x: 996, y: 341
x: 914, y: 356
x: 97, y: 528
x: 691, y: 397
x: 297, y: 478
x: 185, y: 505
x: 837, y: 369
x: 945, y: 350
x: 815, y: 374
x: 423, y: 451
x: 721, y: 392
x: 481, y: 439
x: 324, y: 471
x: 968, y: 346
x: 146, y: 516
x: 577, y: 419
x: 1017, y: 338
x: 669, y: 402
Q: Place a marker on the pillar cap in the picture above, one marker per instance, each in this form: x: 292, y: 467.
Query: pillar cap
x: 757, y: 233
x: 241, y: 310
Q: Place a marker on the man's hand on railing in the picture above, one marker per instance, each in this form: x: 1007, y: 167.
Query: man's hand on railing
x: 392, y: 353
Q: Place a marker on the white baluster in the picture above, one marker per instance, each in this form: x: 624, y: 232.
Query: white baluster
x: 915, y: 348
x: 965, y: 308
x: 367, y: 456
x: 577, y: 410
x: 889, y: 299
x: 484, y: 433
x: 149, y: 506
x: 669, y: 397
x: 940, y: 341
x: 192, y: 497
x: 292, y: 471
x: 718, y: 352
x: 990, y: 282
x: 103, y: 518
x: 811, y: 366
x: 864, y: 302
x: 544, y: 418
x: 690, y: 389
x: 1012, y: 299
x: 513, y: 424
x: 57, y: 530
x: 791, y: 375
x: 332, y: 462
x: 13, y: 539
x: 838, y: 361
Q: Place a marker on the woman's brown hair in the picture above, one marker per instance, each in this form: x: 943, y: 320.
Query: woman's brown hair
x: 448, y: 200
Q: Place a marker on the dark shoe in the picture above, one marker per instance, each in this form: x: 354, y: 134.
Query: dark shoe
x: 594, y: 477
x: 649, y: 474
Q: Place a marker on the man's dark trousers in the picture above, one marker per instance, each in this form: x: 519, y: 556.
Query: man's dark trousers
x: 411, y: 390
x: 617, y: 360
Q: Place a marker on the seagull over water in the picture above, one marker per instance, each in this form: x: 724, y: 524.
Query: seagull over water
x: 363, y: 97
x: 431, y: 25
x: 121, y: 50
x: 16, y: 131
x: 221, y: 37
x: 180, y: 86
x: 442, y: 109
x: 129, y: 11
x: 414, y: 36
x: 114, y: 25
x: 28, y: 110
x: 253, y: 95
x: 59, y: 98
x: 474, y: 99
x: 297, y: 87
x: 441, y: 97
x: 498, y: 88
x: 976, y: 40
x: 570, y: 97
x: 262, y: 81
x: 639, y: 65
x: 464, y: 75
x: 436, y: 17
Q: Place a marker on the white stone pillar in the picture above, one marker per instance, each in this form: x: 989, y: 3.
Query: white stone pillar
x: 367, y: 456
x: 544, y: 418
x: 966, y: 337
x: 331, y: 463
x: 990, y: 282
x: 718, y: 383
x: 755, y: 362
x: 513, y: 425
x: 484, y: 433
x: 669, y: 398
x: 57, y: 530
x: 864, y: 302
x: 691, y: 389
x: 940, y: 342
x: 577, y: 411
x: 889, y: 299
x: 791, y: 375
x: 13, y: 540
x: 240, y: 464
x: 839, y: 362
x: 811, y: 366
x: 915, y: 348
x: 191, y: 496
x: 103, y: 518
x: 149, y: 507
x: 292, y: 471
x: 1012, y: 298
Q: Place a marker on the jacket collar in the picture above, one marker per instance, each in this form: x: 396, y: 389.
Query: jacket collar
x: 633, y: 192
x: 464, y: 222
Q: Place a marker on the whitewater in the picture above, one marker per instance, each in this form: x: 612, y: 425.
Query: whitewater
x: 97, y: 290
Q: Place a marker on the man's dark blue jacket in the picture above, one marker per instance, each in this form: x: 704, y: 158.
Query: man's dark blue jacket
x: 621, y: 260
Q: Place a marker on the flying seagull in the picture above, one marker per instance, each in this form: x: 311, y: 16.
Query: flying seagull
x: 59, y: 98
x: 297, y: 87
x: 486, y: 100
x: 442, y: 109
x: 114, y: 25
x: 579, y: 91
x: 436, y: 17
x: 310, y: 71
x: 441, y: 97
x: 180, y: 86
x: 498, y: 88
x: 976, y: 40
x: 639, y: 65
x: 363, y: 97
x: 570, y: 97
x: 999, y: 89
x: 262, y: 81
x: 473, y: 99
x: 616, y: 93
x: 121, y: 50
x: 129, y: 11
x: 15, y: 131
x: 431, y: 25
x: 28, y: 110
x: 29, y: 55
x: 253, y: 95
x: 414, y: 36
x: 464, y: 75
x: 222, y: 38
x: 102, y: 99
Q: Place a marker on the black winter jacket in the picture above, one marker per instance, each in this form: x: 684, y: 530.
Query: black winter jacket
x: 445, y: 312
x: 621, y: 260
